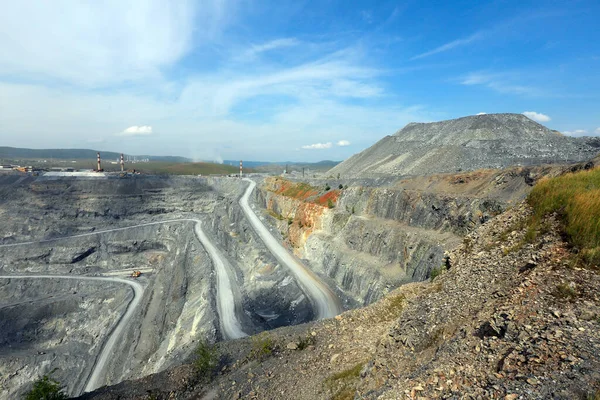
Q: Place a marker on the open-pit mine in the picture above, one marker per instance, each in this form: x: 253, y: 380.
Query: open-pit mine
x: 106, y: 279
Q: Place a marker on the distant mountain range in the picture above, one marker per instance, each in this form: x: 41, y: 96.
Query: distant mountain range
x: 74, y: 154
x: 296, y: 164
x: 15, y: 153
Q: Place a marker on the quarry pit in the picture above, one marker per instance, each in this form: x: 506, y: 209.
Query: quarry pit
x: 70, y: 306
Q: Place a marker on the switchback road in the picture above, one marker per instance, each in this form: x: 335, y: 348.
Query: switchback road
x: 226, y: 300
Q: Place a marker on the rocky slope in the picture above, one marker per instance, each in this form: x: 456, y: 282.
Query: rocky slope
x: 512, y: 318
x: 468, y: 143
x: 374, y: 238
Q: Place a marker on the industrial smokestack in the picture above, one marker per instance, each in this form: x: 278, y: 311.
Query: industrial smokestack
x: 99, y: 165
x: 241, y: 169
x: 122, y: 163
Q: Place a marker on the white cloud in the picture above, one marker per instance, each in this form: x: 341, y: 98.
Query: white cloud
x: 300, y: 99
x: 137, y: 130
x: 481, y: 113
x: 597, y: 131
x: 95, y: 44
x: 450, y: 45
x: 576, y: 132
x: 318, y: 146
x: 539, y: 117
x: 343, y: 143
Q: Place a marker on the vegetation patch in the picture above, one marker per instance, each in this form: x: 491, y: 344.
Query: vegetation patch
x: 565, y: 292
x: 206, y: 359
x: 437, y: 272
x: 575, y: 198
x: 262, y: 347
x: 276, y: 215
x: 391, y: 308
x: 46, y: 388
x: 343, y: 384
x: 304, y: 342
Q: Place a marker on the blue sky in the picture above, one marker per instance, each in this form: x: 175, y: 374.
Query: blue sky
x: 286, y: 80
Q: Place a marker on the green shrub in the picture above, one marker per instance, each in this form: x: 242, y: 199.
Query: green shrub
x: 341, y: 186
x: 565, y: 291
x: 206, y: 359
x: 330, y: 203
x: 46, y: 389
x: 437, y: 272
x: 327, y: 187
x: 306, y: 341
x: 262, y: 347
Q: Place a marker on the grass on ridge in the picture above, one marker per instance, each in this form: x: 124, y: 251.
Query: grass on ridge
x: 575, y: 197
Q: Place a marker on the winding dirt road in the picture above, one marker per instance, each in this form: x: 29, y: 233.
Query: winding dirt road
x: 93, y: 381
x: 226, y: 301
x: 230, y: 324
x: 326, y: 303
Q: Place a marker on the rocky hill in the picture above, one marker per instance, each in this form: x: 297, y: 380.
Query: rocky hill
x: 468, y: 143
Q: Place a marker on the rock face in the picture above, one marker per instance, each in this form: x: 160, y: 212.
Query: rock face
x: 376, y: 238
x: 468, y: 143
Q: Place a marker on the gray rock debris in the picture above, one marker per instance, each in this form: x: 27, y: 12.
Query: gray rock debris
x: 468, y: 143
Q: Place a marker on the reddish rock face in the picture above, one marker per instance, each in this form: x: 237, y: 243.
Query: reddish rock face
x: 300, y: 205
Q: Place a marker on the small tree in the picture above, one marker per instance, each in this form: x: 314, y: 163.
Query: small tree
x: 46, y: 389
x: 206, y: 360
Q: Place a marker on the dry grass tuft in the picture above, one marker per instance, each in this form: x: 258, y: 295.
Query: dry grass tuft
x: 575, y: 197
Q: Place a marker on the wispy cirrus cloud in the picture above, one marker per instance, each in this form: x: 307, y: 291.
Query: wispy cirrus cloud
x: 500, y: 82
x: 256, y: 50
x: 536, y: 116
x: 451, y: 45
x: 330, y: 76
